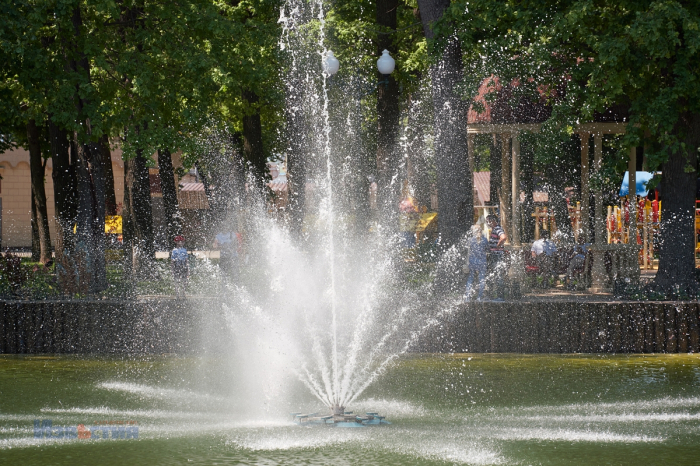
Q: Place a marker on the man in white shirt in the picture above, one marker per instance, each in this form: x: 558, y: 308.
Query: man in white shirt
x: 543, y: 246
x: 543, y: 251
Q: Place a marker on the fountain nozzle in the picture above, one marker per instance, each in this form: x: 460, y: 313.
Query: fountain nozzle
x: 338, y: 410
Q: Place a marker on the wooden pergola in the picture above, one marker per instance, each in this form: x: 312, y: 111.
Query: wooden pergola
x: 510, y: 176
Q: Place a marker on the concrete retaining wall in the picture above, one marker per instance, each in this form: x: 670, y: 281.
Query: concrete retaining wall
x: 156, y: 326
x: 171, y: 326
x: 630, y: 327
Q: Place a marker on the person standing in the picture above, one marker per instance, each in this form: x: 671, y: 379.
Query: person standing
x: 544, y: 252
x: 478, y: 247
x: 497, y: 256
x: 229, y: 245
x: 178, y: 259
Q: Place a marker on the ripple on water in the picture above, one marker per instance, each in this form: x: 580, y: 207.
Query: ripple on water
x: 393, y: 409
x: 569, y: 435
x: 170, y: 394
x: 383, y: 442
x: 295, y: 438
x: 650, y: 405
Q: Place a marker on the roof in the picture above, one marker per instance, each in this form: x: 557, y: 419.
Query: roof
x: 278, y: 184
x: 192, y: 187
x: 503, y: 109
x: 192, y: 196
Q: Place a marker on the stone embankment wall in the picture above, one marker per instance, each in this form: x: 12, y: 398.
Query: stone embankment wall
x: 172, y: 326
x: 153, y: 326
x: 566, y: 327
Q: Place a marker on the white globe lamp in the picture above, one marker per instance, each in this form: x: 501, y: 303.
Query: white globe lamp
x: 386, y: 64
x: 330, y: 64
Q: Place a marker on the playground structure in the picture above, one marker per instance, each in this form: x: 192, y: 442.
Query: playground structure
x: 647, y: 232
x: 617, y: 226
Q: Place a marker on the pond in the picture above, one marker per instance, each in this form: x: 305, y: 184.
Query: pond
x: 445, y: 409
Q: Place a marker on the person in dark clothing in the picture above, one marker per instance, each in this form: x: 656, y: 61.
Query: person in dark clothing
x: 497, y: 256
x: 178, y: 258
x: 478, y: 249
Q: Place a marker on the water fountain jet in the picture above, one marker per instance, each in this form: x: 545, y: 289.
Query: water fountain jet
x: 336, y: 313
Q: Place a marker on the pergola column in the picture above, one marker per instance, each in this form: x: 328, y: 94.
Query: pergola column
x: 471, y: 168
x: 585, y: 189
x: 505, y: 199
x: 470, y: 152
x: 515, y: 190
x: 598, y: 271
x: 600, y: 236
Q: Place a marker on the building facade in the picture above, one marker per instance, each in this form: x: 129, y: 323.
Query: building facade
x: 15, y: 197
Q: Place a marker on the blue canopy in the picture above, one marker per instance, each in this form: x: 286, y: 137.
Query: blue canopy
x: 642, y: 178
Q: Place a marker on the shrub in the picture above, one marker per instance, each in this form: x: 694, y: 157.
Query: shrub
x: 12, y: 274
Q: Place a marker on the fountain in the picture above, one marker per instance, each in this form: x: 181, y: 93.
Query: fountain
x: 339, y: 418
x: 335, y: 313
x: 318, y: 321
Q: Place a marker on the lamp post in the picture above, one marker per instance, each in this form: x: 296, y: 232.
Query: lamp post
x: 386, y: 64
x: 330, y: 64
x: 388, y: 117
x: 387, y: 134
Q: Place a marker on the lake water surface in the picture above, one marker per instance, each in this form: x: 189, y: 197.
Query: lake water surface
x: 445, y: 409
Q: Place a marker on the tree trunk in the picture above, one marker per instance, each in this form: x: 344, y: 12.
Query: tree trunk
x: 137, y: 215
x: 387, y: 115
x: 207, y: 188
x: 454, y: 178
x: 418, y: 177
x: 678, y: 184
x: 90, y: 239
x: 89, y: 173
x: 296, y: 169
x: 64, y: 189
x: 36, y: 246
x: 504, y: 195
x: 557, y: 204
x: 252, y: 136
x: 557, y: 201
x: 99, y: 189
x: 110, y: 195
x: 40, y: 217
x: 167, y: 184
x: 527, y: 161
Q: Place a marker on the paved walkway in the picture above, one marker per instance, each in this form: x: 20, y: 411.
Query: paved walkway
x: 559, y: 293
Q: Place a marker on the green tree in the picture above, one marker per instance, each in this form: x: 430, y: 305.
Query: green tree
x: 147, y: 72
x: 640, y: 54
x: 454, y: 177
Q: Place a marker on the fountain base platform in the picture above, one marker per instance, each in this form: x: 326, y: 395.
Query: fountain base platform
x: 339, y: 418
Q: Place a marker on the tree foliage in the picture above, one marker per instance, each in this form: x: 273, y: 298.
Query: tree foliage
x: 587, y: 56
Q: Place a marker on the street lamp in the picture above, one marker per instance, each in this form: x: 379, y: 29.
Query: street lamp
x: 386, y: 64
x: 330, y: 64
